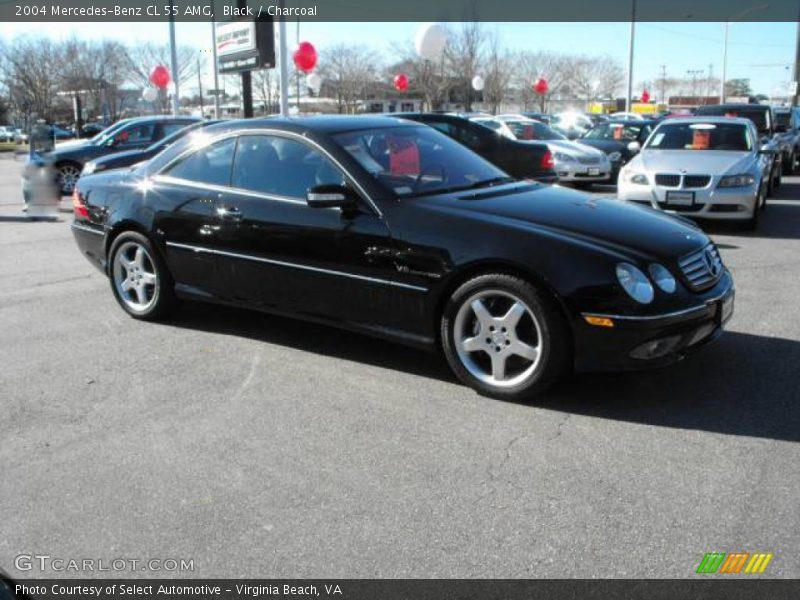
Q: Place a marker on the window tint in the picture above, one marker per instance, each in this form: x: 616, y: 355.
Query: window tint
x: 472, y: 136
x: 167, y: 129
x: 136, y: 134
x: 701, y: 136
x: 211, y: 164
x: 281, y: 166
x: 445, y: 128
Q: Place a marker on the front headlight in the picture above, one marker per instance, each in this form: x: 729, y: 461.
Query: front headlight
x: 615, y: 156
x: 561, y: 157
x: 89, y: 168
x: 635, y: 283
x: 742, y: 180
x: 663, y: 278
x: 635, y: 178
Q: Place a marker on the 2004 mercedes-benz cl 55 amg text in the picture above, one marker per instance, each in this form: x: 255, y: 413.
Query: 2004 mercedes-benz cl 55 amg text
x: 391, y: 228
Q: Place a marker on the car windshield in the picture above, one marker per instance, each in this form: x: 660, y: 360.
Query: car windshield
x: 619, y: 132
x: 171, y: 139
x: 732, y: 137
x: 756, y: 115
x: 533, y: 130
x: 413, y: 161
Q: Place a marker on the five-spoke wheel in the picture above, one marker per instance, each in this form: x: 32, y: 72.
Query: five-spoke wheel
x: 504, y: 337
x: 67, y: 175
x: 139, y: 279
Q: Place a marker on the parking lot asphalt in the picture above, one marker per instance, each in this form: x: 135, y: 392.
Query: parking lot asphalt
x: 257, y: 446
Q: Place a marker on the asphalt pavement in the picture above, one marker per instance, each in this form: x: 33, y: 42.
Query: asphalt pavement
x: 258, y: 446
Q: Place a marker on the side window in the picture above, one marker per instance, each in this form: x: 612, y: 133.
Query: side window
x: 211, y: 164
x: 445, y: 128
x: 281, y: 166
x: 136, y: 134
x: 470, y: 136
x: 167, y: 129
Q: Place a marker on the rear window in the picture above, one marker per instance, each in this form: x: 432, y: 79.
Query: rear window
x: 759, y: 116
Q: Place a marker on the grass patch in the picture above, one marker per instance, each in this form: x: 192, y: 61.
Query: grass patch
x: 12, y: 147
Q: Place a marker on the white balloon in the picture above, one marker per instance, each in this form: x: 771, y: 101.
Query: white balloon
x: 150, y: 94
x: 314, y: 81
x: 430, y: 41
x: 477, y: 83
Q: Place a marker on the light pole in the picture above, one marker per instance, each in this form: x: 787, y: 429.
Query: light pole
x: 630, y: 58
x: 174, y: 62
x: 725, y: 46
x: 284, y: 64
x: 216, y: 74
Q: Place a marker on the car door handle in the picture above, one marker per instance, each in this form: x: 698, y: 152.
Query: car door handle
x: 229, y: 212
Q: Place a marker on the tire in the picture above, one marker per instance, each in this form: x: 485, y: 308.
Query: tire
x: 515, y: 325
x: 140, y: 280
x: 751, y: 224
x: 788, y: 165
x: 771, y: 186
x: 67, y: 174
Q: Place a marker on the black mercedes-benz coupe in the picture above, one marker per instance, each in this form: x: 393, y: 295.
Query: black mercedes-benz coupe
x: 388, y: 227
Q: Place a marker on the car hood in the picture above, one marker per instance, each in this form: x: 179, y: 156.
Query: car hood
x: 606, y: 146
x: 82, y: 150
x: 572, y: 148
x: 710, y: 162
x: 613, y: 224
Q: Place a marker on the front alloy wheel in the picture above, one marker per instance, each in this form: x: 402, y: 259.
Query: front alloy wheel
x: 67, y: 176
x: 503, y: 337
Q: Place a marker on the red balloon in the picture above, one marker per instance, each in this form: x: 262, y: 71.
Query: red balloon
x: 159, y: 76
x: 401, y: 82
x: 305, y: 57
x: 645, y: 96
x: 541, y: 87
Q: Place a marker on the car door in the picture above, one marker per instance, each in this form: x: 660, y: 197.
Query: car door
x: 282, y: 254
x: 193, y: 185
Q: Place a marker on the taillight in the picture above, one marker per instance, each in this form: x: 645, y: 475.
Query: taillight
x: 78, y: 207
x: 548, y: 164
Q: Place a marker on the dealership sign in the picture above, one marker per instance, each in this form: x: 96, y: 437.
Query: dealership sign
x: 245, y: 45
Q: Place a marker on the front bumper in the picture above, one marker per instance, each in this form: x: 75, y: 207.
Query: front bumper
x: 574, y: 171
x: 709, y: 202
x: 674, y: 334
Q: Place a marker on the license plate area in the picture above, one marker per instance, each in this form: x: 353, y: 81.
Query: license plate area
x: 594, y: 171
x: 680, y: 198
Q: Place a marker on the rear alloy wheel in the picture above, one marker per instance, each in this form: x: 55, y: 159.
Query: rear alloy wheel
x: 67, y: 175
x: 139, y: 279
x: 503, y: 338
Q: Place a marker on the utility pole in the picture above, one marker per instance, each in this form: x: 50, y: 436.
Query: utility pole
x: 630, y: 57
x: 284, y: 63
x: 174, y: 62
x: 796, y: 98
x: 216, y: 75
x: 200, y: 88
x: 247, y: 80
x: 663, y: 84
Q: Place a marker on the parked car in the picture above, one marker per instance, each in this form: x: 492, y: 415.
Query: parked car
x: 574, y: 163
x: 90, y: 130
x: 128, y: 158
x: 626, y: 116
x: 523, y: 160
x: 620, y: 140
x: 537, y: 116
x: 787, y: 127
x: 764, y: 119
x: 428, y: 245
x: 6, y: 134
x: 704, y: 167
x: 572, y: 124
x: 20, y: 137
x: 67, y: 161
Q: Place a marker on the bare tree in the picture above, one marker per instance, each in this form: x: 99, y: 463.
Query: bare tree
x: 596, y: 77
x: 29, y: 69
x: 498, y: 74
x: 266, y: 86
x: 463, y: 56
x: 143, y: 57
x: 348, y: 72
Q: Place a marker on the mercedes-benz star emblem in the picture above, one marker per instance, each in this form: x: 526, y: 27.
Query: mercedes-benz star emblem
x: 711, y: 262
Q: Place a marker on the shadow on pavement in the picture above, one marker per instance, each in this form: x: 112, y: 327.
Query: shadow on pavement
x: 743, y: 385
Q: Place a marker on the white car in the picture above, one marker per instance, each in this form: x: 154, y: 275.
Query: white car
x: 574, y: 163
x: 627, y: 115
x: 7, y: 134
x: 703, y: 167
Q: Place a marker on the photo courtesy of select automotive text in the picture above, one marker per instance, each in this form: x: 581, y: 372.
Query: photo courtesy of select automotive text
x: 418, y: 300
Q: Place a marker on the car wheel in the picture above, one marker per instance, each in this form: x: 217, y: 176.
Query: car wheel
x: 504, y: 338
x: 751, y: 224
x: 67, y: 175
x: 140, y: 280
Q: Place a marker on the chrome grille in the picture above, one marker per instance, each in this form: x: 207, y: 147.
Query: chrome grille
x: 589, y: 160
x: 668, y: 180
x: 703, y: 268
x: 696, y: 181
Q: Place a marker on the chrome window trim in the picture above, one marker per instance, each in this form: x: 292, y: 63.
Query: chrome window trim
x: 678, y: 313
x: 280, y: 133
x: 283, y: 263
x: 211, y: 187
x: 89, y: 229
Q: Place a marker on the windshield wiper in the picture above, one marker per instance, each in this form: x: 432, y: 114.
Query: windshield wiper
x: 472, y: 186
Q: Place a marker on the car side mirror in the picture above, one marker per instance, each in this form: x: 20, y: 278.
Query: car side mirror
x: 330, y: 195
x: 634, y: 146
x: 765, y: 149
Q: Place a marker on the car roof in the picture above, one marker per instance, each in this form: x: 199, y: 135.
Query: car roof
x: 630, y: 122
x: 708, y: 119
x: 327, y: 124
x: 736, y: 106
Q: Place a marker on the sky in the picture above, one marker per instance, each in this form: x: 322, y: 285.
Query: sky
x: 762, y: 52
